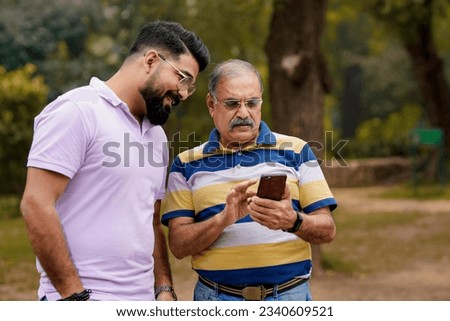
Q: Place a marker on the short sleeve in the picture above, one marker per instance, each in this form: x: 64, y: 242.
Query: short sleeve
x: 60, y: 139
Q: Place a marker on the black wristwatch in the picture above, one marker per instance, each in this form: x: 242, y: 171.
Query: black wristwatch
x: 297, y: 224
x: 166, y: 288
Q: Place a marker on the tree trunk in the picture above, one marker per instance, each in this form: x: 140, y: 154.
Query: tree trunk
x: 297, y: 71
x: 351, y: 102
x: 298, y: 78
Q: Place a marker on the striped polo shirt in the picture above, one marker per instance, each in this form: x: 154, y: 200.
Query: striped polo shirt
x: 247, y: 252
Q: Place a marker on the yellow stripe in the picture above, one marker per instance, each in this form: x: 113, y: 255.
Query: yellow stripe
x: 252, y: 256
x: 313, y: 192
x: 290, y: 143
x: 212, y: 195
x: 215, y: 194
x: 293, y: 186
x: 177, y: 200
x: 192, y: 154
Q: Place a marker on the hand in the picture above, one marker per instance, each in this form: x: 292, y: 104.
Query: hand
x: 237, y: 200
x: 165, y: 296
x: 275, y: 215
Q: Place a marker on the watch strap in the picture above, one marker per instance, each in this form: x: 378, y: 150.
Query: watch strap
x: 166, y: 288
x: 297, y: 224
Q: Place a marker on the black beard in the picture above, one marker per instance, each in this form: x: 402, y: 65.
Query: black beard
x: 157, y: 112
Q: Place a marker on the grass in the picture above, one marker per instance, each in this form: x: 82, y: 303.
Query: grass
x: 386, y: 241
x: 18, y: 276
x: 422, y: 192
x: 366, y: 243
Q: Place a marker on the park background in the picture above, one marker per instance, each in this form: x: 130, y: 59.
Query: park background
x: 365, y: 82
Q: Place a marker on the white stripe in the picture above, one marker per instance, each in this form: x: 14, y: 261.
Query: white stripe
x: 250, y: 233
x: 202, y: 179
x: 309, y: 172
x: 177, y: 182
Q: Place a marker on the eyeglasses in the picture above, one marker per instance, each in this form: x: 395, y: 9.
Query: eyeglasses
x: 185, y: 83
x: 236, y: 103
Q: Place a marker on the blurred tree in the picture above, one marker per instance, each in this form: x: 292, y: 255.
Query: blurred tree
x: 372, y: 71
x: 298, y: 76
x: 414, y: 22
x: 52, y: 35
x: 22, y: 96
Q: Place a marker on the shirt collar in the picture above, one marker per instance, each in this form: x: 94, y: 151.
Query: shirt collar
x: 265, y: 137
x: 105, y: 92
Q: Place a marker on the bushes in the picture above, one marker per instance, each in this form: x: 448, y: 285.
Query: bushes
x: 386, y: 137
x: 22, y: 96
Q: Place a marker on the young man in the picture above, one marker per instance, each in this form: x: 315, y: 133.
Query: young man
x: 245, y: 247
x: 96, y: 174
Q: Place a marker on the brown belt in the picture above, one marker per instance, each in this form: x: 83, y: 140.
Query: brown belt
x: 252, y: 293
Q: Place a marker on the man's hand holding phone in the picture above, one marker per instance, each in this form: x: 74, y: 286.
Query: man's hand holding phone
x: 272, y: 205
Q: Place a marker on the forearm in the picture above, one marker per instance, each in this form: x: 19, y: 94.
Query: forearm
x: 317, y: 227
x: 49, y: 244
x: 162, y: 270
x: 188, y: 238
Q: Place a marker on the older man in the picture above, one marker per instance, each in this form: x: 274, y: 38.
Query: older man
x: 246, y: 247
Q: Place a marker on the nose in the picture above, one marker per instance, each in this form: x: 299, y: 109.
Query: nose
x: 242, y: 111
x: 183, y: 94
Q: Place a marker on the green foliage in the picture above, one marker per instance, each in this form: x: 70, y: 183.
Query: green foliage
x: 9, y: 206
x: 404, y: 16
x: 384, y: 137
x: 52, y: 35
x: 22, y: 96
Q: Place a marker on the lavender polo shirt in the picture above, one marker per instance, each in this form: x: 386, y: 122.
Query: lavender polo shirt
x: 117, y: 171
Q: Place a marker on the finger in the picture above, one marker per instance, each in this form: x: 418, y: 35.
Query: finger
x: 242, y: 187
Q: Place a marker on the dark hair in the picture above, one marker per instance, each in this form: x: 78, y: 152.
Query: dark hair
x: 231, y: 68
x: 171, y: 36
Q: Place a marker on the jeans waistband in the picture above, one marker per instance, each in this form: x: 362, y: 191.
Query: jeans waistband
x: 252, y: 293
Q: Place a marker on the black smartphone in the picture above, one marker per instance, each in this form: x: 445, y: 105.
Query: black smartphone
x: 271, y: 186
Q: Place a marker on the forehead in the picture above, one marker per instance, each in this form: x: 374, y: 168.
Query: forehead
x: 243, y: 85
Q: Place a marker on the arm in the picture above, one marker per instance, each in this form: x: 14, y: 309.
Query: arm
x: 42, y: 190
x: 189, y: 238
x: 317, y: 227
x: 162, y: 271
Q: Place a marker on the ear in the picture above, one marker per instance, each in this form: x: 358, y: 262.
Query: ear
x: 210, y: 104
x: 150, y: 58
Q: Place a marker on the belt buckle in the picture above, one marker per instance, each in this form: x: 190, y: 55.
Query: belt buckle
x: 254, y: 293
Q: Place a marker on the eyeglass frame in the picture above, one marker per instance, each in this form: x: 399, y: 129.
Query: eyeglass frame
x: 238, y: 101
x: 190, y: 86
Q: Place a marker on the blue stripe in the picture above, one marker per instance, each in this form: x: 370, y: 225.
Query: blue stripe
x: 249, y: 158
x: 213, y: 210
x: 257, y: 276
x: 331, y: 202
x: 178, y: 213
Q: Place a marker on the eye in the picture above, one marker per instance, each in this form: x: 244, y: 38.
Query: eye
x: 252, y: 103
x: 232, y: 103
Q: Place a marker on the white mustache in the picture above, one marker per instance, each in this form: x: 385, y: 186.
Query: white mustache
x: 241, y: 122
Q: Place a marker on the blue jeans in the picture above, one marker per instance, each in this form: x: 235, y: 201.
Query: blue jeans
x: 298, y: 293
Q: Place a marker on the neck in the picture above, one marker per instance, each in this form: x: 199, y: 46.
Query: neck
x: 124, y: 87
